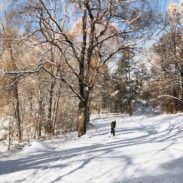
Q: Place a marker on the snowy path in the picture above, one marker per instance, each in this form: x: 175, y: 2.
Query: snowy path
x: 146, y: 149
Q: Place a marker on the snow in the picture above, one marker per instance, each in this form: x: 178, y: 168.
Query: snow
x: 115, y: 93
x: 146, y: 149
x: 34, y: 148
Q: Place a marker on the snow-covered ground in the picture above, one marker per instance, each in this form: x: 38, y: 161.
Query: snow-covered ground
x: 146, y: 149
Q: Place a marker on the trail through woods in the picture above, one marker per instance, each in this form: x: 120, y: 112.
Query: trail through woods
x: 146, y: 149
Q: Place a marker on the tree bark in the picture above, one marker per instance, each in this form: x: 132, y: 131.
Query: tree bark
x: 84, y: 117
x: 15, y: 93
x: 40, y: 120
x: 181, y: 85
x: 51, y: 100
x: 56, y: 108
x: 82, y: 66
x: 17, y: 112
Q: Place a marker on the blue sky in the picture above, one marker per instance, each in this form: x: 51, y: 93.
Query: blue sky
x: 163, y: 4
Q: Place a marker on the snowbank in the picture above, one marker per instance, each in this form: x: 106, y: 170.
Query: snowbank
x: 34, y: 147
x: 146, y: 149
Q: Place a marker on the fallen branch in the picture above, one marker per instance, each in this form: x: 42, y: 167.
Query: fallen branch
x: 170, y: 96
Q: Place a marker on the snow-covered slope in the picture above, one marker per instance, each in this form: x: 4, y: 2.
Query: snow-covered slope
x: 146, y: 149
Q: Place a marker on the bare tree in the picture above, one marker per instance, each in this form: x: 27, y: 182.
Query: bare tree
x: 9, y: 35
x: 102, y: 30
x: 167, y: 69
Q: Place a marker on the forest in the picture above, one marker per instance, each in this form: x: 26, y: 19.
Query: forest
x: 91, y: 91
x: 63, y: 61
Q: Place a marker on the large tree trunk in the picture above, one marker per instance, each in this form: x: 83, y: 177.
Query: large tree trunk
x: 82, y: 122
x: 84, y: 117
x: 84, y: 110
x: 84, y: 66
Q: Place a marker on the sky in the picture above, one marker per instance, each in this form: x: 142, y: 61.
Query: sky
x: 163, y: 4
x: 4, y: 4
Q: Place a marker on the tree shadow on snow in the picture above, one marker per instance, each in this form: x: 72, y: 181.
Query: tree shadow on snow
x: 171, y: 172
x: 149, y: 134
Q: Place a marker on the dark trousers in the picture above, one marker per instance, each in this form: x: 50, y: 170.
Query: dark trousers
x: 113, y: 131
